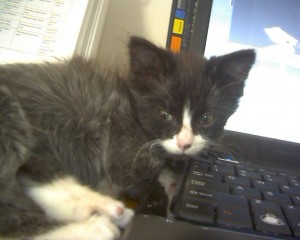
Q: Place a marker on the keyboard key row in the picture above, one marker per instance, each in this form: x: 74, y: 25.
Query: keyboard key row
x: 268, y: 220
x: 207, y: 189
x: 232, y: 168
x: 243, y: 196
x: 270, y: 184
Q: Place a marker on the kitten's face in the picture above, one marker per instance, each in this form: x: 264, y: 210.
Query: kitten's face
x: 187, y: 140
x: 184, y: 100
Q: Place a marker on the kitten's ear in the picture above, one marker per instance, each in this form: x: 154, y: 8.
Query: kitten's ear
x: 147, y: 60
x: 231, y: 70
x: 234, y: 66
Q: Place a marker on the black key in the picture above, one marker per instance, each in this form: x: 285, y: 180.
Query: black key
x: 246, y: 192
x: 295, y: 225
x: 192, y: 192
x: 200, y: 166
x: 249, y: 174
x: 204, y: 184
x: 296, y: 200
x: 245, y: 167
x: 290, y: 210
x: 264, y: 205
x: 227, y: 170
x: 200, y: 211
x: 287, y: 175
x: 277, y: 197
x: 270, y: 221
x: 262, y: 185
x: 266, y: 171
x: 237, y: 180
x: 290, y: 190
x: 213, y: 176
x: 227, y: 199
x: 234, y: 216
x: 275, y: 179
x: 294, y: 182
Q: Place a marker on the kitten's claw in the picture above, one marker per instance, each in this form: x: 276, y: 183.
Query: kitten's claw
x: 123, y: 219
x: 114, y: 208
x: 120, y: 214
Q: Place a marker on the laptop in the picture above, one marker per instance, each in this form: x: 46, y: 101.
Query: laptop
x: 250, y: 189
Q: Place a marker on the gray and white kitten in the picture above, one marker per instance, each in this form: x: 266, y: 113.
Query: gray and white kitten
x: 74, y: 138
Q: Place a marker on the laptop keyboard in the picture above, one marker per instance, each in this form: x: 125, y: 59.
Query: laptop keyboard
x: 235, y: 195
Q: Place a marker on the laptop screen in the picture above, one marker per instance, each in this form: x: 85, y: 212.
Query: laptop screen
x: 270, y: 106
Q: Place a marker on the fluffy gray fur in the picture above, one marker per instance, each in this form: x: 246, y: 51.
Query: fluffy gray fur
x: 72, y: 119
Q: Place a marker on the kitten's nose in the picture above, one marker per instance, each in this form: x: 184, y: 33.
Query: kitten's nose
x: 184, y: 139
x: 185, y: 147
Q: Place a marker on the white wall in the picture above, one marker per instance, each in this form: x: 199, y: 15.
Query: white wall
x: 146, y: 18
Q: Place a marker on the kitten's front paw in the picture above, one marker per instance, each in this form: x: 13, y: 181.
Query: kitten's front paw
x: 99, y: 227
x: 118, y: 213
x: 116, y: 210
x: 66, y: 200
x: 97, y: 204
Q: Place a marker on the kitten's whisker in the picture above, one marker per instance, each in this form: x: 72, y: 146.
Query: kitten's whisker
x: 152, y: 145
x: 228, y: 149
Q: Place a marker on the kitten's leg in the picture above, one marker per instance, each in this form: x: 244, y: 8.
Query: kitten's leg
x: 161, y: 192
x: 168, y: 180
x: 66, y: 200
x: 94, y: 228
x: 15, y: 136
x: 20, y: 217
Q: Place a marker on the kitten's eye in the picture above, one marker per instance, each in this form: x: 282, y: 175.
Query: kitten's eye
x: 207, y: 120
x: 166, y: 116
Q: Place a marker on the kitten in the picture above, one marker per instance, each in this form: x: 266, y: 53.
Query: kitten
x: 74, y: 138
